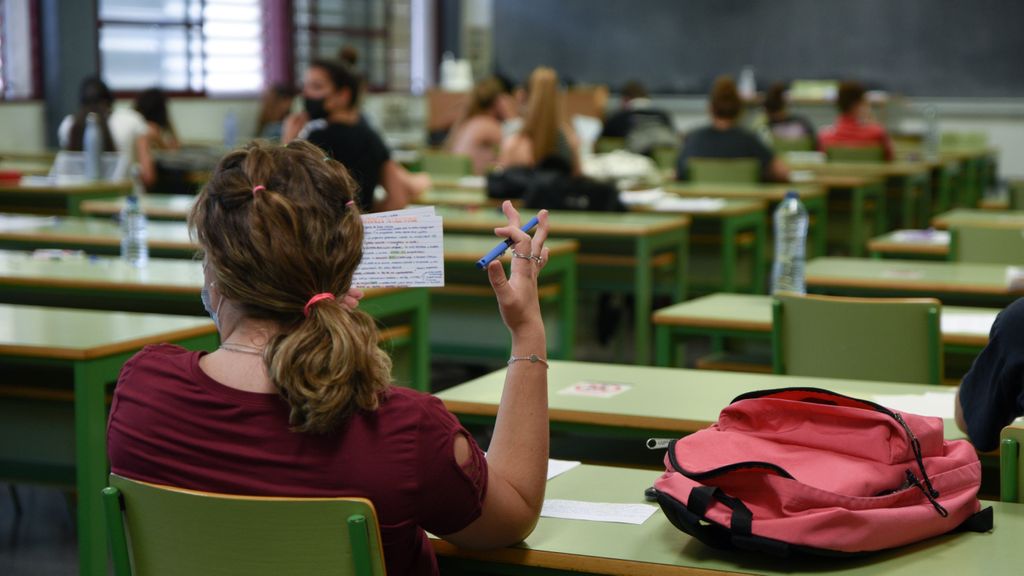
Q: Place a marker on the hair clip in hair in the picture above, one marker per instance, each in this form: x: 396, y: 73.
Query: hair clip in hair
x: 257, y: 189
x: 350, y: 203
x: 316, y: 298
x: 327, y: 158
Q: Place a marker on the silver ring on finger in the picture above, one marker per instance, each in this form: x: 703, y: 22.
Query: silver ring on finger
x: 523, y: 256
x: 539, y: 260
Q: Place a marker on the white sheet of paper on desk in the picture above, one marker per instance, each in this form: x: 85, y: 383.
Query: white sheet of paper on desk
x: 968, y: 322
x: 673, y: 204
x: 11, y: 223
x: 939, y: 404
x: 641, y: 197
x: 937, y: 237
x: 597, y: 511
x: 556, y: 467
x: 401, y: 249
x: 473, y: 182
x: 595, y: 389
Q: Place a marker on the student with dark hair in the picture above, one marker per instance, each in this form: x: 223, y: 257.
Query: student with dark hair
x: 855, y: 126
x: 783, y: 126
x: 151, y: 104
x: 723, y: 138
x: 331, y: 120
x: 121, y: 128
x: 297, y: 401
x: 639, y: 116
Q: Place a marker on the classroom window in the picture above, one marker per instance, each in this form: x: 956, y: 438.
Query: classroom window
x: 192, y: 46
x: 379, y: 30
x: 18, y: 50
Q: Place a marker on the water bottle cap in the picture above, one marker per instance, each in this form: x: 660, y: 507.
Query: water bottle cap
x: 792, y: 195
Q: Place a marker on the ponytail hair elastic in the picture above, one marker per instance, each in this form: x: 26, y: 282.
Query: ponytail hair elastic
x: 257, y: 189
x: 316, y: 298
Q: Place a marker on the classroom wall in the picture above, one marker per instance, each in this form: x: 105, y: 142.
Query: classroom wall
x: 23, y: 126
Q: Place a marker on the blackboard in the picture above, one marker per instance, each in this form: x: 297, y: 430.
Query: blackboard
x: 951, y: 48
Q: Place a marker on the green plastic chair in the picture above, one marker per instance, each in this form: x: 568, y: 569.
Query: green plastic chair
x: 609, y: 144
x: 665, y: 156
x: 1016, y: 189
x: 987, y: 245
x: 161, y: 531
x: 888, y: 339
x: 1011, y: 465
x: 724, y: 170
x: 855, y: 154
x: 781, y: 146
x: 446, y: 164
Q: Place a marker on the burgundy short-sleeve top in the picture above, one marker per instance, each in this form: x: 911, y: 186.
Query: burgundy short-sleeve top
x: 172, y: 424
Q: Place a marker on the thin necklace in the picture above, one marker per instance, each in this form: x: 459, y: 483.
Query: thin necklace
x: 242, y: 348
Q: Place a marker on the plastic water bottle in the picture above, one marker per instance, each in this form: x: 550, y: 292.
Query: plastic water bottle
x: 92, y: 147
x: 790, y: 221
x: 134, y: 248
x: 230, y: 129
x: 747, y: 86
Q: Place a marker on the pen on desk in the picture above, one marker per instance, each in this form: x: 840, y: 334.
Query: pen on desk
x: 504, y: 245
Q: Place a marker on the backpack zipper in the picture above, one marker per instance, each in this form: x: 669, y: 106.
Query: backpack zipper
x: 751, y: 465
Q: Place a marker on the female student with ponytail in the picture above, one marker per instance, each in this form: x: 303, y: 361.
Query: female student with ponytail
x: 297, y: 400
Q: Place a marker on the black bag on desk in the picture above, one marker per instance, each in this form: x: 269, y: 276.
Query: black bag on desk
x: 510, y: 183
x: 574, y: 193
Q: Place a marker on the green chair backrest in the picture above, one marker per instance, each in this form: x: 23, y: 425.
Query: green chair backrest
x: 1016, y: 190
x: 609, y: 144
x: 855, y: 154
x: 987, y: 245
x: 889, y: 339
x: 783, y: 145
x: 1011, y: 465
x: 158, y: 531
x: 725, y: 170
x: 446, y: 164
x: 665, y: 156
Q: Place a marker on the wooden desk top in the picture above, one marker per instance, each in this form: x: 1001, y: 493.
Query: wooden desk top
x: 672, y: 400
x: 753, y: 312
x: 910, y: 275
x: 770, y: 192
x: 165, y: 206
x: 656, y: 548
x: 94, y: 231
x: 568, y: 223
x: 877, y: 169
x: 981, y: 218
x: 922, y: 242
x: 468, y: 248
x: 120, y: 186
x: 59, y: 333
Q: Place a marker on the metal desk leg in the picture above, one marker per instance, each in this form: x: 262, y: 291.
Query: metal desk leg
x: 642, y: 288
x: 729, y: 256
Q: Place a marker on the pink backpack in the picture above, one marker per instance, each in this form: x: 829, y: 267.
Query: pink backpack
x: 808, y: 470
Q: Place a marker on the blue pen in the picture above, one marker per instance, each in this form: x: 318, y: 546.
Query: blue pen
x: 500, y: 248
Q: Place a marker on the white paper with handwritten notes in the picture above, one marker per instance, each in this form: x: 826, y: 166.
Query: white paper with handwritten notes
x: 401, y: 249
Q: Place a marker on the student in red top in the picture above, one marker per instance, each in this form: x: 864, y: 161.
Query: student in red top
x: 297, y: 400
x: 854, y: 126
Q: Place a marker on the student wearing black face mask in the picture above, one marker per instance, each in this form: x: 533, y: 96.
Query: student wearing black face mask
x: 332, y: 121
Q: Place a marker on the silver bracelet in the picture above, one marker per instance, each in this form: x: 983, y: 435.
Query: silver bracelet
x: 533, y: 358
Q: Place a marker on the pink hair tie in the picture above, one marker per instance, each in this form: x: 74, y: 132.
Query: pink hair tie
x: 349, y: 203
x: 316, y: 298
x: 257, y: 189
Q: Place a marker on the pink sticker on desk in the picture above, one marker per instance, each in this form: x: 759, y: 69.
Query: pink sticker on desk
x: 595, y: 389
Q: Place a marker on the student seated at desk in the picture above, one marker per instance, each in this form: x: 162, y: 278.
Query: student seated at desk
x: 332, y: 121
x: 723, y: 138
x: 297, y: 400
x: 781, y: 126
x: 546, y: 139
x: 160, y: 133
x: 855, y: 125
x: 477, y: 133
x: 991, y: 395
x: 643, y: 126
x: 123, y: 129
